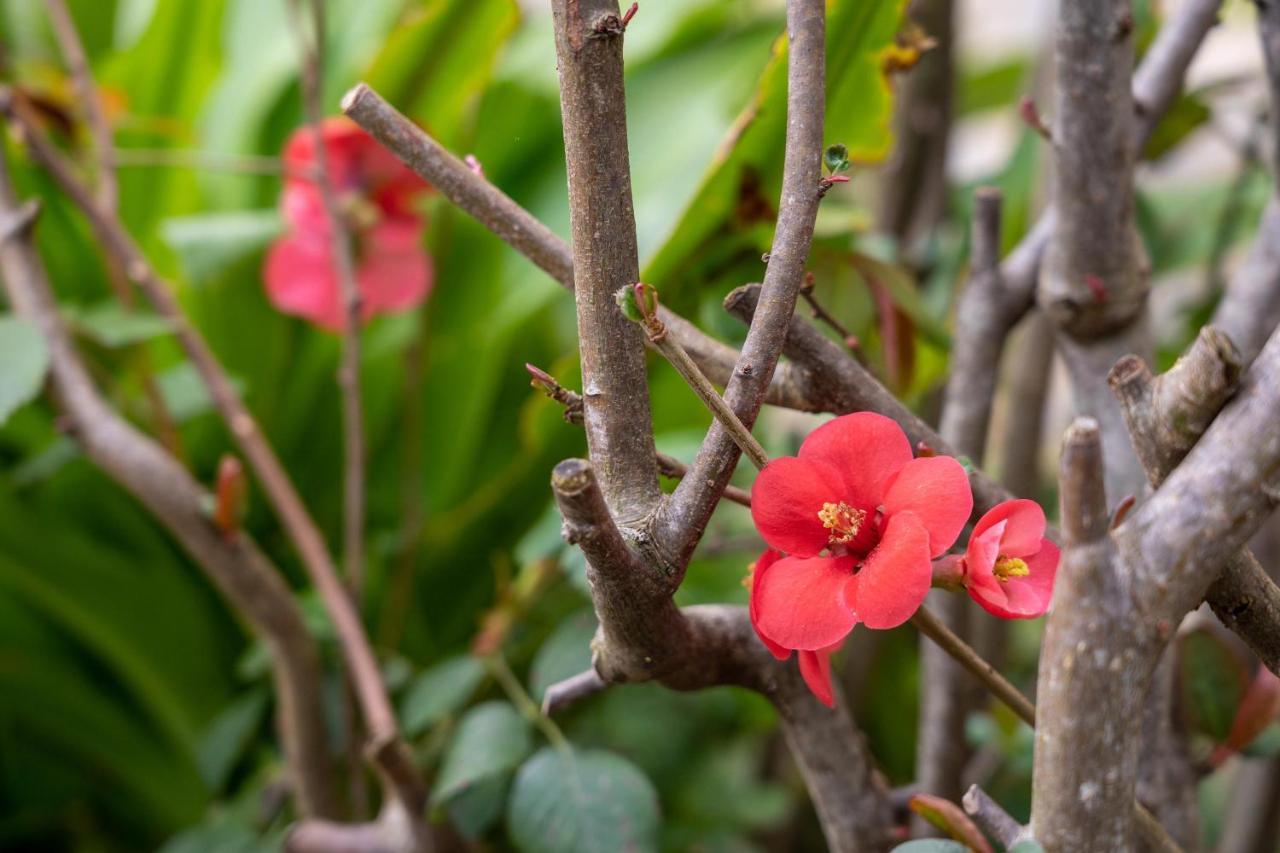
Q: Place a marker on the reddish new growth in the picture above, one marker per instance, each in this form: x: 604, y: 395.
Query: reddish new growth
x: 376, y: 193
x: 859, y: 520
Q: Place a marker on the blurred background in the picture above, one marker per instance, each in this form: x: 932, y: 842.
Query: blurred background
x: 135, y: 709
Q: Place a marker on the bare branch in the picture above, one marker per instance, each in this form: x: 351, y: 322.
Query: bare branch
x: 616, y: 392
x: 562, y: 694
x: 344, y: 269
x: 64, y: 29
x: 515, y: 225
x: 375, y: 704
x: 1158, y: 80
x: 1250, y: 308
x: 992, y: 819
x: 682, y: 520
x: 233, y: 562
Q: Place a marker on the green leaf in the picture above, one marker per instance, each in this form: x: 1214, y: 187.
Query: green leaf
x: 566, y: 652
x: 577, y: 801
x: 1213, y: 680
x: 1028, y: 846
x: 224, y: 741
x: 491, y: 739
x: 1188, y: 112
x: 931, y: 845
x: 948, y: 817
x: 474, y: 810
x: 24, y: 360
x: 112, y: 325
x: 1266, y: 744
x: 438, y: 692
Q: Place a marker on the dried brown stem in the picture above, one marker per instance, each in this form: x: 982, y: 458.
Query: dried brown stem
x: 233, y: 562
x: 311, y: 49
x: 375, y: 704
x: 683, y: 519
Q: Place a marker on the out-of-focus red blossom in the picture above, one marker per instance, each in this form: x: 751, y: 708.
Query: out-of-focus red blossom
x: 1009, y: 566
x: 376, y: 193
x: 815, y: 666
x: 859, y: 520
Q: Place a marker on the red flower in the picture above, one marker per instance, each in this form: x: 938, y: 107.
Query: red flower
x: 1009, y: 566
x: 375, y: 190
x: 855, y: 493
x: 815, y: 666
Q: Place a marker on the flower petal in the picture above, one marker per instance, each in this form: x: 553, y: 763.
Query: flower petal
x: 801, y: 603
x: 1024, y: 526
x: 785, y: 500
x: 1030, y: 596
x: 394, y: 273
x: 299, y: 278
x: 896, y: 577
x: 815, y: 668
x: 866, y: 448
x: 761, y: 565
x: 936, y: 489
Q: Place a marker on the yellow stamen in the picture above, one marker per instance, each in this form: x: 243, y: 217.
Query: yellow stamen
x: 1010, y: 567
x: 842, y: 520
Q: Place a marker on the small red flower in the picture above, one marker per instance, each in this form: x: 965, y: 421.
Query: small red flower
x: 854, y: 495
x: 376, y: 192
x: 1009, y: 566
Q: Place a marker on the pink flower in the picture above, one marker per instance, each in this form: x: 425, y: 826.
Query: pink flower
x: 376, y: 193
x: 860, y: 520
x: 1009, y: 566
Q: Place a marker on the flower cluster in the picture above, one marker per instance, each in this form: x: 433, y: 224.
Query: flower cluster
x: 854, y: 523
x: 376, y: 194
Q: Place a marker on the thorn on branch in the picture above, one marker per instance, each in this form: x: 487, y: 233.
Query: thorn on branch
x: 1028, y: 112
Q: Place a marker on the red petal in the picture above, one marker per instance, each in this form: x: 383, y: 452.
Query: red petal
x: 763, y: 562
x: 1024, y: 528
x: 815, y: 668
x: 801, y: 604
x: 866, y: 448
x: 897, y: 575
x: 785, y: 500
x: 1030, y: 596
x: 936, y: 489
x: 300, y: 281
x: 395, y: 273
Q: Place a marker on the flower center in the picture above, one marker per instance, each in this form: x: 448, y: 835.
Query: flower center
x: 1009, y: 567
x: 842, y: 520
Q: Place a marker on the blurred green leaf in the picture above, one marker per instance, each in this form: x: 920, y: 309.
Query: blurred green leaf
x: 1188, y: 112
x: 1212, y: 679
x: 931, y: 845
x: 566, y: 652
x: 1028, y: 846
x: 208, y: 244
x: 440, y: 691
x: 224, y: 741
x: 24, y: 359
x: 474, y: 810
x: 492, y: 738
x: 576, y: 801
x: 993, y: 86
x: 1266, y: 744
x: 112, y: 325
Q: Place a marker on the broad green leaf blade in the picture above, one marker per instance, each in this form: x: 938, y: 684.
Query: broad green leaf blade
x: 112, y: 325
x: 438, y: 692
x: 931, y: 845
x: 24, y: 360
x: 733, y: 208
x: 491, y: 739
x: 208, y: 244
x: 224, y: 741
x: 578, y: 801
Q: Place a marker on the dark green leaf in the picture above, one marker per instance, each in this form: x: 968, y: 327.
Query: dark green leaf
x: 477, y: 808
x: 931, y: 845
x: 1213, y: 681
x: 565, y: 653
x: 577, y: 801
x: 224, y: 740
x: 440, y: 691
x: 491, y: 739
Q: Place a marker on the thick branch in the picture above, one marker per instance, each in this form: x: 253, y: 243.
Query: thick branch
x: 1085, y: 763
x: 615, y: 388
x: 681, y: 523
x: 363, y: 665
x: 512, y: 223
x: 233, y: 562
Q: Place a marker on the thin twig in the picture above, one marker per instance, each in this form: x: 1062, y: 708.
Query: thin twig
x: 564, y: 693
x: 669, y: 466
x: 963, y: 653
x: 344, y: 270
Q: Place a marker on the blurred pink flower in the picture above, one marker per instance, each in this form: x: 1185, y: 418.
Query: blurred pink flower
x: 376, y: 192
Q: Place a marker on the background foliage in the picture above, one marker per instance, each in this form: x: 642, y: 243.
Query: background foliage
x: 135, y: 712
